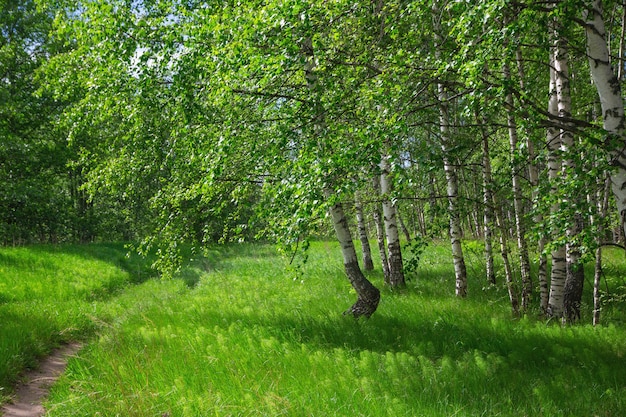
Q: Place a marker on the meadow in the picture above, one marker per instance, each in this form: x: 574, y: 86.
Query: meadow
x: 241, y: 333
x: 48, y: 295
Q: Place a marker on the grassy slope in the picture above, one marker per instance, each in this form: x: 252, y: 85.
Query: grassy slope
x: 48, y: 295
x: 248, y: 339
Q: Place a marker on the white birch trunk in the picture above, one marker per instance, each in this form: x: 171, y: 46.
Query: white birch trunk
x: 368, y: 295
x: 573, y: 283
x: 487, y: 205
x: 622, y: 47
x: 610, y: 93
x: 366, y: 252
x: 520, y: 230
x: 558, y: 272
x: 456, y: 232
x: 603, y: 204
x: 396, y: 270
x: 380, y: 234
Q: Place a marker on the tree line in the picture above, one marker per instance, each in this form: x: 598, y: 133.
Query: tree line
x: 179, y: 120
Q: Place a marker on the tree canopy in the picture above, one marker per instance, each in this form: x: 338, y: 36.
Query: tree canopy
x: 172, y: 120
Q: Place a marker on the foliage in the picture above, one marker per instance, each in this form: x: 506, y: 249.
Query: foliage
x: 412, y: 253
x: 169, y: 122
x: 32, y: 156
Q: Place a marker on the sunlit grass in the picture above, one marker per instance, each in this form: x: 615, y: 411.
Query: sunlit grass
x: 48, y: 295
x: 251, y: 337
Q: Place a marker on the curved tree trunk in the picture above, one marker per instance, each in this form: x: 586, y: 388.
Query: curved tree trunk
x: 368, y: 294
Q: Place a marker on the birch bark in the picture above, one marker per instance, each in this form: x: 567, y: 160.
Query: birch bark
x: 396, y: 270
x: 366, y: 252
x: 368, y: 295
x: 380, y: 234
x: 559, y: 270
x: 574, y: 279
x: 610, y: 93
x: 487, y: 205
x: 456, y: 232
x: 517, y: 196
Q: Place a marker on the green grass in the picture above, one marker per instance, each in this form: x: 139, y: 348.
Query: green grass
x: 250, y: 338
x: 48, y: 295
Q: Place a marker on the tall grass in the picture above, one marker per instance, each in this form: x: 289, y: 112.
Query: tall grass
x: 251, y: 338
x: 48, y: 295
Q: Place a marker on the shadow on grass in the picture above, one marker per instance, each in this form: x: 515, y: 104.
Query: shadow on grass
x: 118, y: 254
x: 474, y: 358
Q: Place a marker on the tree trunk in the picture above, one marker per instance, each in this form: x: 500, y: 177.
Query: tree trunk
x: 380, y: 234
x: 603, y: 204
x: 405, y: 230
x: 533, y: 179
x: 421, y: 221
x: 517, y: 197
x: 622, y: 45
x: 610, y: 92
x: 368, y: 294
x: 396, y: 270
x: 456, y: 231
x: 573, y: 289
x: 433, y: 204
x: 487, y: 205
x: 366, y: 252
x: 504, y: 251
x: 559, y: 270
x: 575, y: 273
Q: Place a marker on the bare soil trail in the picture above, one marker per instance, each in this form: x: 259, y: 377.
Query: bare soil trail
x: 36, y: 384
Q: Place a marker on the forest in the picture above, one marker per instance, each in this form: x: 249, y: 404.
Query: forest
x: 486, y: 137
x: 166, y: 122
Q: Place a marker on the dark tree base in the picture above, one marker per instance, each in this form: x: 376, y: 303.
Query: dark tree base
x: 364, y: 307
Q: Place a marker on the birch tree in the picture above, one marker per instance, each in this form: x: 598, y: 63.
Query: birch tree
x: 455, y: 232
x: 396, y: 269
x: 368, y: 264
x: 520, y: 228
x: 559, y: 269
x: 610, y: 93
x: 572, y: 285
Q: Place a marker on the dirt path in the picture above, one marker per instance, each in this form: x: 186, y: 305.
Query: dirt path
x: 30, y: 394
